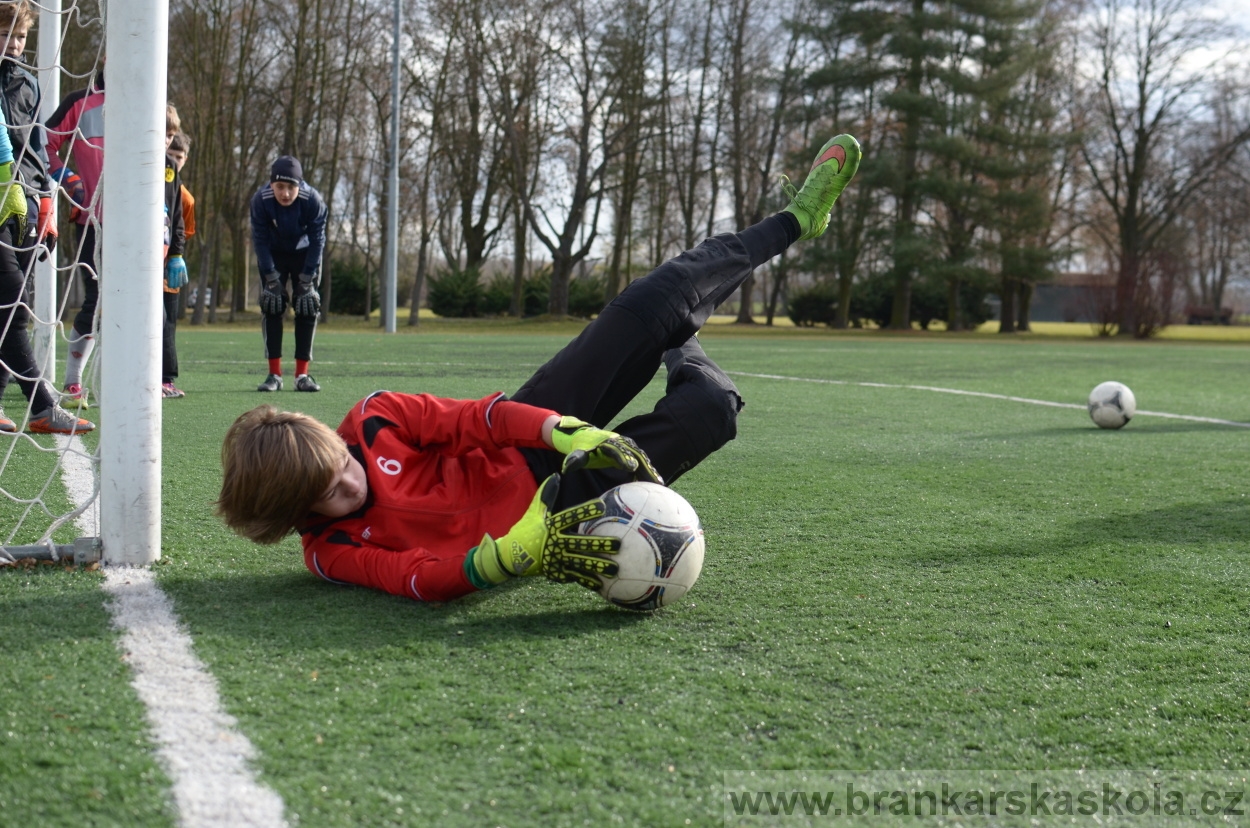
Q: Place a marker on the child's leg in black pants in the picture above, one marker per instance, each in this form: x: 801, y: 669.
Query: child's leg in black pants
x: 169, y: 350
x: 696, y: 416
x: 15, y: 351
x: 597, y: 374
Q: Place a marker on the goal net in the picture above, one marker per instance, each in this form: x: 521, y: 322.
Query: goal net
x: 53, y: 504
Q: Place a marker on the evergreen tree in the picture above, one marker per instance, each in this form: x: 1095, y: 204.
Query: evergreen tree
x: 938, y: 73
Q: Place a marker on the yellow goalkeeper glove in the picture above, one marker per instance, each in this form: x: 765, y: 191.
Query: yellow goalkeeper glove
x: 13, y: 202
x: 581, y: 559
x: 538, y: 545
x: 585, y: 446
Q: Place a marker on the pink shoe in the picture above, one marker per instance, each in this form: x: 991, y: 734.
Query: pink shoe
x: 73, y: 392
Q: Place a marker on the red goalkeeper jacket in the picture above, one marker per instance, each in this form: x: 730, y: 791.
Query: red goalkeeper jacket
x: 441, y: 473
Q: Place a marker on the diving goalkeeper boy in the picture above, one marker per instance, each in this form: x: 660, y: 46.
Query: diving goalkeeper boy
x: 433, y: 498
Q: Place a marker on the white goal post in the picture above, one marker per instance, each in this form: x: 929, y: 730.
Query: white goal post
x: 130, y: 256
x: 131, y: 271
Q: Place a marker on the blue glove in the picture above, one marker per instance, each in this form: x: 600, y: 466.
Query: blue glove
x: 74, y: 189
x: 175, y: 272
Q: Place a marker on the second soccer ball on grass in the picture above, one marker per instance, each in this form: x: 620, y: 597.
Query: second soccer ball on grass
x: 661, y: 551
x: 1112, y: 405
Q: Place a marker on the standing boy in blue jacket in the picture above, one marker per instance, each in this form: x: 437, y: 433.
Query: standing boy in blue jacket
x: 289, y: 234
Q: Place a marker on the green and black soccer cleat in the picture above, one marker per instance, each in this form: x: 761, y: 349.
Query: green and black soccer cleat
x: 833, y: 169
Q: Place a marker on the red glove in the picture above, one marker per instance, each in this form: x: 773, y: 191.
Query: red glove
x: 46, y: 227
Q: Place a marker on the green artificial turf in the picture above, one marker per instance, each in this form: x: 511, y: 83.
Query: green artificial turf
x: 73, y: 743
x: 32, y: 494
x: 895, y: 578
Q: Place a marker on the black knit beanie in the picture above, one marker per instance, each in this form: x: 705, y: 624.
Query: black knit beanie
x: 287, y: 169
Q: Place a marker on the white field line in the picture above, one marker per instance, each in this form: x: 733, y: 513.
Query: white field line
x: 372, y: 362
x: 984, y: 394
x: 197, y: 741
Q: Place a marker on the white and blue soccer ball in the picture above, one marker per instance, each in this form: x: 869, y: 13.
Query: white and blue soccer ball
x: 1112, y: 405
x: 661, y: 545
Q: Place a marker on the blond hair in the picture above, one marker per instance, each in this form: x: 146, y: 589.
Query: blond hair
x: 11, y: 14
x: 275, y: 466
x: 172, y: 122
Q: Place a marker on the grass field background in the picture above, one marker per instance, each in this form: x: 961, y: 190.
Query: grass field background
x: 895, y: 578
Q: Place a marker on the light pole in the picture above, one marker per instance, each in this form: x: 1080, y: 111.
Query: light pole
x: 392, y: 185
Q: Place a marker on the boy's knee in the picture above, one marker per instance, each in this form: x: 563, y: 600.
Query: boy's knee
x: 711, y: 395
x: 707, y: 412
x: 729, y: 403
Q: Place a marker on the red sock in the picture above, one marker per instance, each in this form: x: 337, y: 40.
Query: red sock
x: 275, y: 366
x: 301, y: 367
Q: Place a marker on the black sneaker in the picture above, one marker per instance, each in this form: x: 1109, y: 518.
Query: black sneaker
x: 306, y: 383
x: 273, y: 382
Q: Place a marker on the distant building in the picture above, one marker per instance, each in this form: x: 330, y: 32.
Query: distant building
x: 1069, y: 297
x: 1090, y: 297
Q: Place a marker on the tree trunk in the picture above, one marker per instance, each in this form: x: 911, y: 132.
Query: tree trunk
x: 1007, y: 310
x: 1126, y: 292
x: 954, y: 313
x: 238, y: 289
x: 1023, y: 306
x: 842, y: 317
x: 414, y: 300
x: 900, y: 310
x: 561, y: 271
x: 516, y: 302
x: 216, y: 303
x: 780, y: 277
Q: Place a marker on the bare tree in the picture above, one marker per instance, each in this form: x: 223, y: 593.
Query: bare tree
x: 629, y: 46
x: 518, y: 60
x: 1218, y: 220
x: 577, y: 143
x: 471, y: 142
x: 323, y: 48
x: 218, y: 64
x: 252, y: 91
x: 689, y: 115
x: 428, y: 81
x: 1148, y: 85
x: 759, y: 90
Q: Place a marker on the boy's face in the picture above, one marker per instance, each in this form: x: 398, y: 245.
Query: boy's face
x: 285, y: 192
x: 15, y: 43
x: 347, y: 490
x: 179, y: 157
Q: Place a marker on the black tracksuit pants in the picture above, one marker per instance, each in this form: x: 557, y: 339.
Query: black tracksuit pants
x: 652, y: 321
x: 15, y: 350
x: 289, y: 267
